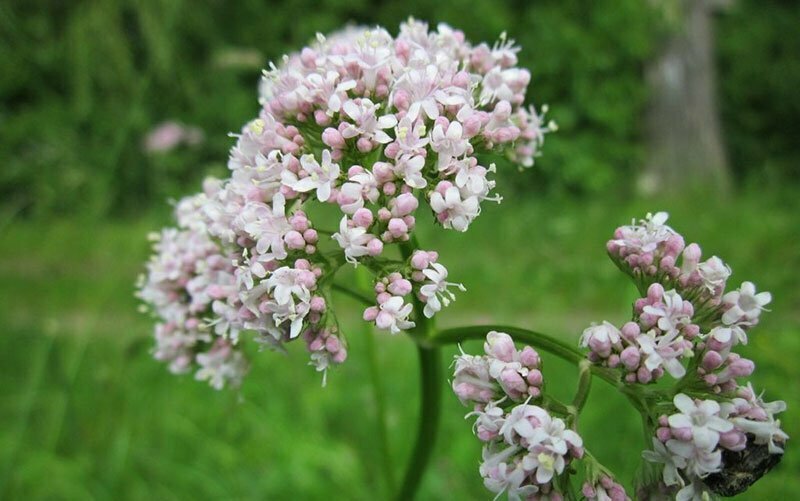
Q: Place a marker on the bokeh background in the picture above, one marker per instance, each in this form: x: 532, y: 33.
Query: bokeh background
x: 690, y: 106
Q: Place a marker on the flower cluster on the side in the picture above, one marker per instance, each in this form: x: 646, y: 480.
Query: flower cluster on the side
x: 186, y: 277
x: 526, y: 447
x: 686, y: 313
x: 688, y: 325
x: 691, y: 443
x: 373, y: 126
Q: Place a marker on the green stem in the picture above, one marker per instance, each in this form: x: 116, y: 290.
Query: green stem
x: 538, y: 340
x: 584, y: 385
x: 353, y: 294
x: 378, y: 395
x: 430, y: 384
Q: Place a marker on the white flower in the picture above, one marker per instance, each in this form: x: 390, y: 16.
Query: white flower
x: 367, y: 124
x: 436, y: 293
x: 458, y: 213
x: 473, y: 181
x: 724, y: 334
x: 702, y: 418
x: 284, y: 283
x: 767, y: 430
x: 662, y: 352
x: 671, y: 312
x: 394, y: 315
x: 700, y: 462
x: 714, y: 273
x: 671, y: 462
x: 329, y: 90
x: 646, y: 236
x: 744, y: 304
x: 604, y: 335
x: 411, y: 138
x: 267, y: 226
x: 448, y: 144
x: 321, y: 177
x: 353, y: 240
x: 409, y: 168
x: 501, y: 477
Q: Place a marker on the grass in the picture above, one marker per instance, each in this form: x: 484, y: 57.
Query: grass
x: 87, y: 414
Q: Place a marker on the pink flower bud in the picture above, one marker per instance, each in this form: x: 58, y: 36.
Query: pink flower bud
x: 310, y: 236
x: 405, y: 204
x: 630, y: 331
x: 332, y: 344
x: 630, y: 358
x: 340, y: 356
x: 363, y: 217
x: 294, y: 240
x: 383, y: 297
x: 500, y: 346
x: 472, y: 125
x: 333, y: 138
x: 400, y: 287
x: 655, y: 292
x: 384, y: 214
x: 664, y: 434
x: 420, y: 260
x: 374, y: 247
x: 384, y: 320
x: 529, y: 357
x: 391, y: 150
x: 535, y: 377
x: 317, y: 304
x: 389, y: 189
x: 364, y: 145
x: 321, y: 117
x: 383, y: 172
x: 733, y: 440
x: 711, y: 360
x: 397, y: 227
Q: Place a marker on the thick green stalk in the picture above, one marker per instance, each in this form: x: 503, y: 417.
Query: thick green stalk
x: 378, y: 393
x: 538, y: 340
x: 431, y: 378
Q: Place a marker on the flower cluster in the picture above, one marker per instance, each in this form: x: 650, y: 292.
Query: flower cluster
x: 688, y: 326
x: 186, y: 277
x: 691, y: 441
x: 686, y: 313
x: 373, y: 126
x: 525, y: 446
x: 604, y: 488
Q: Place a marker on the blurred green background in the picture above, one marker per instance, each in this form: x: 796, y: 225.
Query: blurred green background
x: 87, y: 414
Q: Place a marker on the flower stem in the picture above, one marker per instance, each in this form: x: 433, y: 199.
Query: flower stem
x: 353, y: 294
x: 378, y: 395
x: 584, y: 385
x: 538, y: 340
x: 430, y: 407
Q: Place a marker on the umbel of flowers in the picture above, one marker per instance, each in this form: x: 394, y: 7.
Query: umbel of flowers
x: 711, y: 432
x: 376, y: 128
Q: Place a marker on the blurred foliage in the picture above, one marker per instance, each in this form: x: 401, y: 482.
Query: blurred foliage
x: 759, y: 55
x: 83, y: 82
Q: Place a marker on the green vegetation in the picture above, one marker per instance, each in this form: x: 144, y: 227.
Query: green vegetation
x: 87, y: 414
x: 83, y: 82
